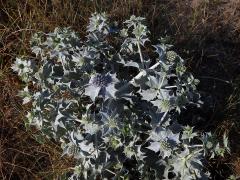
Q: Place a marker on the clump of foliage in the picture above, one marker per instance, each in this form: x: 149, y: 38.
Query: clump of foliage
x: 113, y: 101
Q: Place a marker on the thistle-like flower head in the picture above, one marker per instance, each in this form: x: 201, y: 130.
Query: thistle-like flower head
x: 171, y: 55
x: 101, y: 85
x: 98, y: 22
x: 101, y: 80
x: 22, y: 67
x: 164, y: 141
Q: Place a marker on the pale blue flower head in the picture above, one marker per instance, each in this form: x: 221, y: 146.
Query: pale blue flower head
x: 164, y: 140
x: 101, y: 85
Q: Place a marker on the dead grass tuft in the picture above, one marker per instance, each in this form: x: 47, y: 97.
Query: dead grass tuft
x: 236, y: 164
x: 231, y: 14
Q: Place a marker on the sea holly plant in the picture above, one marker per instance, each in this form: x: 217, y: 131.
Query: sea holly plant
x: 113, y: 105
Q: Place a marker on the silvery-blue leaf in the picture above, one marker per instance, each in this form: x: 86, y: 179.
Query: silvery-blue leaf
x: 154, y: 146
x: 149, y: 94
x: 111, y: 91
x: 92, y: 92
x: 162, y: 105
x: 226, y: 142
x: 36, y: 50
x: 160, y: 50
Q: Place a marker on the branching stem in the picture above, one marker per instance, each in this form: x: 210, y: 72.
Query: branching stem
x: 141, y: 73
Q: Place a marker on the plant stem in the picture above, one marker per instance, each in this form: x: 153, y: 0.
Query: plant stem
x: 160, y: 87
x: 140, y: 52
x: 138, y: 76
x: 195, y: 146
x: 142, y: 72
x: 163, y: 117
